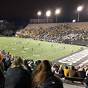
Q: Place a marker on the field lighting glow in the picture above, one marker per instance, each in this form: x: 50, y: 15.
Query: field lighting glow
x: 39, y: 13
x: 79, y: 8
x: 48, y: 13
x: 57, y: 11
x: 74, y: 20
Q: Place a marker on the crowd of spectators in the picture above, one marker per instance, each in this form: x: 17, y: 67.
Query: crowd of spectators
x: 64, y: 33
x: 18, y: 73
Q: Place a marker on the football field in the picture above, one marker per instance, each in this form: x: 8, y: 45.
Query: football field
x: 34, y: 49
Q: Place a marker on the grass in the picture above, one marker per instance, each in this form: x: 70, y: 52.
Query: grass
x: 33, y: 49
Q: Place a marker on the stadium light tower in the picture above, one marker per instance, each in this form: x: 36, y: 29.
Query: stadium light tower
x: 79, y: 9
x: 48, y: 14
x: 39, y: 13
x: 57, y: 12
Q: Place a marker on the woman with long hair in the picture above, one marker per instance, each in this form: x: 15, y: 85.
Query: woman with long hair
x: 44, y: 78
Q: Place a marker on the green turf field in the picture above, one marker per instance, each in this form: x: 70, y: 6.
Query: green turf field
x: 33, y: 49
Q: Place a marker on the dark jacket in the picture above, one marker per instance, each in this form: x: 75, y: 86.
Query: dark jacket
x: 82, y: 74
x: 2, y: 79
x: 86, y: 81
x: 17, y: 78
x: 52, y: 82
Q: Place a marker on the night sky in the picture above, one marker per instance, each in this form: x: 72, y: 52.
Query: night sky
x: 27, y: 9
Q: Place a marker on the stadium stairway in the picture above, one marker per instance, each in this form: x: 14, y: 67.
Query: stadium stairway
x: 77, y: 59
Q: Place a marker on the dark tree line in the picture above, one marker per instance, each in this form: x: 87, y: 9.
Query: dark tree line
x: 7, y: 28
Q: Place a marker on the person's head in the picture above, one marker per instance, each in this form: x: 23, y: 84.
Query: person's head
x: 38, y: 62
x: 83, y: 69
x: 41, y: 72
x: 55, y: 65
x: 72, y: 68
x: 17, y: 61
x: 66, y: 67
x: 25, y: 62
x: 45, y: 65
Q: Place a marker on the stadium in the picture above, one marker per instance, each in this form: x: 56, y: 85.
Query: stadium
x: 45, y: 51
x: 50, y: 41
x: 61, y: 43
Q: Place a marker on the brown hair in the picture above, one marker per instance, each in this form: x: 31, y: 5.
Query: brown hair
x: 41, y: 73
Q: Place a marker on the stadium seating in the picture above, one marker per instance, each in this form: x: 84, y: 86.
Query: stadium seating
x: 70, y: 33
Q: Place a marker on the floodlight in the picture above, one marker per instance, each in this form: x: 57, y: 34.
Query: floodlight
x: 74, y: 20
x: 39, y: 13
x: 48, y: 13
x: 79, y: 8
x: 57, y: 11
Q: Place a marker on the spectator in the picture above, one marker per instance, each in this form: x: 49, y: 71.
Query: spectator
x: 2, y: 78
x: 53, y: 68
x: 66, y: 71
x: 82, y: 73
x: 72, y: 71
x: 17, y: 76
x: 44, y: 78
x: 1, y: 56
x: 61, y: 72
x: 87, y: 72
x: 86, y: 82
x: 27, y: 66
x: 57, y: 71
